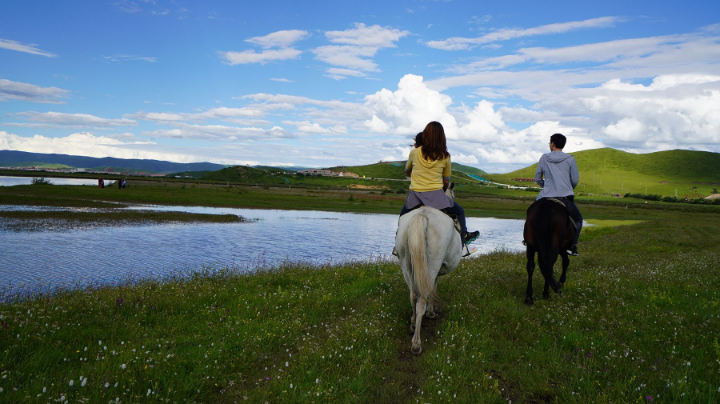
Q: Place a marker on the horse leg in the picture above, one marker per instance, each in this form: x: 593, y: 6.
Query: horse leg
x: 565, y: 265
x: 530, y: 252
x: 413, y: 303
x: 419, y: 313
x: 430, y: 313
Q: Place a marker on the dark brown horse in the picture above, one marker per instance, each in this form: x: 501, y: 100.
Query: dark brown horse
x: 549, y: 232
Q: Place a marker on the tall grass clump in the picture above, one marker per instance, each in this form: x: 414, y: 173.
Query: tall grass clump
x: 41, y: 181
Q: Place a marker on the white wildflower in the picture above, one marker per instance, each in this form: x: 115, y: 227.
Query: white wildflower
x: 71, y: 383
x: 123, y: 366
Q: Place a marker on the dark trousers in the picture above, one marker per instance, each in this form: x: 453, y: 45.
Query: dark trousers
x: 575, y: 214
x: 456, y: 210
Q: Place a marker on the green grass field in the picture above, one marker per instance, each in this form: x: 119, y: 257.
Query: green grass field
x: 638, y: 321
x: 610, y: 171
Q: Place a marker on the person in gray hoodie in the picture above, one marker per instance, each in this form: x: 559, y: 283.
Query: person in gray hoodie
x: 557, y: 174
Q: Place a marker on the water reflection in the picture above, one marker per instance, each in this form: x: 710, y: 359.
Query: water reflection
x: 113, y: 254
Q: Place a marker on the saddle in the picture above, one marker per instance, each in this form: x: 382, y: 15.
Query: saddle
x: 465, y: 250
x: 556, y: 200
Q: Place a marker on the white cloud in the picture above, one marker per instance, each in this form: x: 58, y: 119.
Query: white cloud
x: 409, y: 109
x: 220, y: 133
x: 221, y: 113
x: 353, y: 57
x: 464, y: 159
x: 679, y: 109
x: 14, y: 90
x: 24, y: 47
x: 339, y: 74
x: 308, y: 127
x: 357, y: 46
x: 458, y: 43
x: 266, y: 56
x: 60, y: 119
x: 482, y: 123
x: 281, y: 80
x: 87, y: 144
x: 129, y: 58
x: 374, y: 36
x: 279, y: 39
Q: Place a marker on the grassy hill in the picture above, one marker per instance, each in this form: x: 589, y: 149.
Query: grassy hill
x: 396, y: 170
x: 610, y: 171
x: 244, y: 174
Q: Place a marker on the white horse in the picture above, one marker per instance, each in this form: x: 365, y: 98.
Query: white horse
x: 428, y: 246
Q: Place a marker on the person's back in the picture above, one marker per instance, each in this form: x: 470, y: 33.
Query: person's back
x: 557, y: 173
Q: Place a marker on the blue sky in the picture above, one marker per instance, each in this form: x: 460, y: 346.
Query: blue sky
x: 325, y: 83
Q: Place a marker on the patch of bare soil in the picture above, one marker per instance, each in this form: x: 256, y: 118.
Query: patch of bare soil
x: 402, y: 382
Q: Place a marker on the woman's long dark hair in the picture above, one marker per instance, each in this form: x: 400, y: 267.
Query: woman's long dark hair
x: 434, y: 145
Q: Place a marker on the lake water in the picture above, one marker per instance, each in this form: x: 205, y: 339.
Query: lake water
x: 106, y: 255
x: 12, y: 181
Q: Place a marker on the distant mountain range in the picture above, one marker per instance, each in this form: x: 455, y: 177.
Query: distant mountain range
x: 10, y: 158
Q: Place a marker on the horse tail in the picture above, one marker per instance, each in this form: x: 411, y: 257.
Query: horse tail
x: 543, y: 235
x: 423, y: 285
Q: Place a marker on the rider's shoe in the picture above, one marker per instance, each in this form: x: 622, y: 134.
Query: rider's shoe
x: 573, y: 250
x: 472, y: 236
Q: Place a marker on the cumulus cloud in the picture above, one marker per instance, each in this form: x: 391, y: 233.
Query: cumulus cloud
x: 408, y: 109
x: 458, y: 43
x: 14, y: 90
x: 60, y: 119
x: 24, y: 47
x: 680, y: 109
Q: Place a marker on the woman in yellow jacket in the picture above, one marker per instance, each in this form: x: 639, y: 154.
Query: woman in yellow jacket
x: 429, y: 169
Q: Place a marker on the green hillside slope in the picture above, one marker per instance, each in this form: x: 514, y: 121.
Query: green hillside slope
x: 244, y: 174
x: 396, y: 170
x: 610, y: 171
x: 393, y: 170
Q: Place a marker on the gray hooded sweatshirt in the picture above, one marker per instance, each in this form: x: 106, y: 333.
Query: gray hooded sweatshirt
x: 560, y: 174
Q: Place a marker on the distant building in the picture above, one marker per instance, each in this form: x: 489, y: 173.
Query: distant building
x: 312, y: 171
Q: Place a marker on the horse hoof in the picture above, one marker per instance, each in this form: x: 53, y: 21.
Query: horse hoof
x: 560, y: 285
x: 529, y: 301
x: 546, y: 295
x: 430, y: 315
x: 416, y: 350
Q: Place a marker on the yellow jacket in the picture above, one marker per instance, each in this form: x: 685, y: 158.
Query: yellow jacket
x: 426, y: 175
